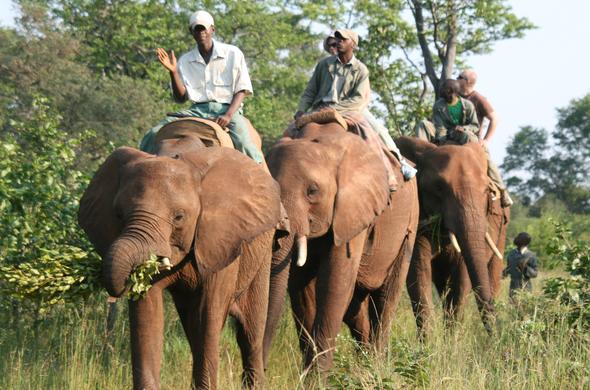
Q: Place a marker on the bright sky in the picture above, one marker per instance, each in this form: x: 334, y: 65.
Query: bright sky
x: 524, y: 79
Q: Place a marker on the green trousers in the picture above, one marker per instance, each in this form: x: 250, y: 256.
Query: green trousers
x: 238, y: 128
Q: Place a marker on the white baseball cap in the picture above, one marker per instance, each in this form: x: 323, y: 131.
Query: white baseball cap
x: 202, y: 18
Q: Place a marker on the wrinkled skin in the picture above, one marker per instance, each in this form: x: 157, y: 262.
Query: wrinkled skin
x: 453, y: 183
x: 212, y: 212
x: 334, y: 187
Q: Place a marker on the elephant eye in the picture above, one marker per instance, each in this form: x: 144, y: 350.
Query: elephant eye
x: 179, y: 216
x: 313, y: 189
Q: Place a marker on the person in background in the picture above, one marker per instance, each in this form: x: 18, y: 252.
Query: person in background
x: 522, y: 265
x: 331, y: 45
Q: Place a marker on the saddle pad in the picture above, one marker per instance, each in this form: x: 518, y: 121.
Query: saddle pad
x: 209, y: 132
x: 321, y: 117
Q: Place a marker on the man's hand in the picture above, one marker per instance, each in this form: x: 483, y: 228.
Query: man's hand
x: 298, y: 114
x: 169, y: 62
x: 460, y: 129
x: 223, y: 120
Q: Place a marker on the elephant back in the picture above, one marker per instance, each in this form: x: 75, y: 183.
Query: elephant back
x: 208, y: 132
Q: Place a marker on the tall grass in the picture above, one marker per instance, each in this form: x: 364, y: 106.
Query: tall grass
x: 534, y: 348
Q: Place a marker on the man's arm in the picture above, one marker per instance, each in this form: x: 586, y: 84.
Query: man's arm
x: 439, y: 123
x: 169, y: 62
x: 309, y: 94
x: 236, y: 103
x: 493, y: 118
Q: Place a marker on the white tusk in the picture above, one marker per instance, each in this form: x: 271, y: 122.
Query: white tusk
x: 493, y: 246
x: 166, y: 263
x: 301, y: 251
x: 454, y: 242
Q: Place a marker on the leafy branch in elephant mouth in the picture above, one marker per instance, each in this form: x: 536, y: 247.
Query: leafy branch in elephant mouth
x: 140, y: 280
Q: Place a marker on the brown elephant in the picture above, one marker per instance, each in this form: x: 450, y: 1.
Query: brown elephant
x: 208, y: 213
x: 351, y: 240
x: 462, y: 232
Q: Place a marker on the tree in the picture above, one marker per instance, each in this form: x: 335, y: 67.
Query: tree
x: 537, y: 168
x: 415, y: 44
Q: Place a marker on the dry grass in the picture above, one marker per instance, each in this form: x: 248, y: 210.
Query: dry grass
x: 532, y: 350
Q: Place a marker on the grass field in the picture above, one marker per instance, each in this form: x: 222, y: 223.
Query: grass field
x: 533, y: 349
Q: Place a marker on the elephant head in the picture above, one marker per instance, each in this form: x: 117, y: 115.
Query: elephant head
x: 453, y: 184
x: 203, y: 202
x: 330, y: 182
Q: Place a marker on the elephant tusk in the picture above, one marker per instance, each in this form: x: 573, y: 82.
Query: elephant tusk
x: 493, y: 246
x: 166, y: 263
x: 301, y: 251
x: 454, y: 242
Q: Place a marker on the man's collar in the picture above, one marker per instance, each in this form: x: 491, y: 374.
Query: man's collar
x: 219, y: 51
x: 353, y: 61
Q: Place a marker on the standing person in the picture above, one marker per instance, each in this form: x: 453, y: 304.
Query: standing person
x: 455, y: 119
x: 214, y: 77
x: 522, y: 265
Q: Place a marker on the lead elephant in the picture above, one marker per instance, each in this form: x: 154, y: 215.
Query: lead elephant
x: 208, y: 213
x: 463, y: 230
x: 352, y: 241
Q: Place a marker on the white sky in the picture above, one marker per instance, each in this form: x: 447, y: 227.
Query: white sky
x: 524, y: 79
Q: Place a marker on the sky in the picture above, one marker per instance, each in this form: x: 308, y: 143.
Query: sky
x: 524, y: 79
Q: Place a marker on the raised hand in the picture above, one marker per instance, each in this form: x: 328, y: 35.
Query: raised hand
x: 169, y: 62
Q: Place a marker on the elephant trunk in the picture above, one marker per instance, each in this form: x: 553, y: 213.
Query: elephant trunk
x: 471, y: 235
x: 123, y: 256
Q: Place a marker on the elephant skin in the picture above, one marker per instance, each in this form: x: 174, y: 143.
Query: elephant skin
x: 212, y: 213
x: 360, y: 238
x: 453, y: 184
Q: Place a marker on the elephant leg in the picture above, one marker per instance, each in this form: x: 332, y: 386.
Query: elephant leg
x: 203, y: 318
x: 146, y: 320
x: 388, y: 296
x: 357, y: 318
x: 251, y: 310
x: 334, y: 289
x: 279, y: 278
x: 419, y: 284
x: 302, y: 291
x: 459, y: 286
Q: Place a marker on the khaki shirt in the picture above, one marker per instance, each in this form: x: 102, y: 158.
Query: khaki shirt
x: 218, y: 81
x: 443, y: 122
x: 340, y: 86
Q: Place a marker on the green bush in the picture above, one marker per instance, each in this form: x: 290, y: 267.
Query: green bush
x: 572, y: 291
x: 45, y: 258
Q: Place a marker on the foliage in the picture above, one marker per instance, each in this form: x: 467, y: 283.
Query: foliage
x: 412, y: 45
x: 537, y: 169
x: 44, y: 255
x: 572, y: 291
x: 140, y: 280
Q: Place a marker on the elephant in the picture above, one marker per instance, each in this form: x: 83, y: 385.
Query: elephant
x: 467, y: 247
x: 350, y: 237
x: 209, y: 215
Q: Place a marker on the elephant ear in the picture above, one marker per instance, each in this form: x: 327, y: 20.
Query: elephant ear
x: 96, y: 214
x: 363, y: 190
x: 414, y: 148
x: 239, y: 201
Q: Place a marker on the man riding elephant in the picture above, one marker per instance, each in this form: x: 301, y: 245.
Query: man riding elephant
x: 455, y: 119
x: 341, y: 82
x: 214, y: 77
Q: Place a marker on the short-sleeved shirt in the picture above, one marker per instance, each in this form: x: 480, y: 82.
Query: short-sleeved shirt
x: 483, y: 108
x: 217, y: 81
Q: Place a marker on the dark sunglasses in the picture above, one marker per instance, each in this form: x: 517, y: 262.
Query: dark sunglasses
x: 332, y: 44
x: 461, y: 77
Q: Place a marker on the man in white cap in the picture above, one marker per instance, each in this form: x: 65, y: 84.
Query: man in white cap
x: 341, y: 82
x: 214, y: 77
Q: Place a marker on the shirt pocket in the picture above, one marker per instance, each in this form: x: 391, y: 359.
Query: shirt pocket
x: 222, y: 76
